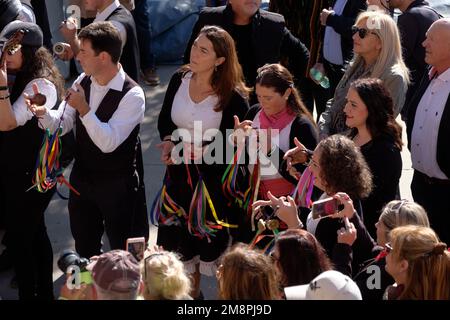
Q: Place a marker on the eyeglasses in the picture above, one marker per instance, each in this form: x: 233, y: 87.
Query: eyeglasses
x: 388, y: 248
x: 362, y: 33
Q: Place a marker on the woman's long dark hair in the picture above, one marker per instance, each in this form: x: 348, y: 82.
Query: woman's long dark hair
x: 301, y: 257
x: 228, y: 76
x: 37, y: 63
x: 278, y: 78
x: 380, y: 108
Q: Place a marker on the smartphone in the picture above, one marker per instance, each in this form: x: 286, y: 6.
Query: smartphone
x: 136, y: 246
x: 325, y: 207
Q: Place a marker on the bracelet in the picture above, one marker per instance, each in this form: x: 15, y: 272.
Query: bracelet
x: 3, y: 88
x: 5, y: 97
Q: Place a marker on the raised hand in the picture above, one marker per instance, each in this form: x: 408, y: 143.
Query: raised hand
x: 296, y: 155
x: 77, y: 100
x: 36, y: 101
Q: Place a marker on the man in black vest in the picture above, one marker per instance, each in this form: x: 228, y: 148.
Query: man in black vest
x: 417, y: 16
x: 106, y: 107
x: 428, y: 131
x: 260, y: 36
x: 121, y: 18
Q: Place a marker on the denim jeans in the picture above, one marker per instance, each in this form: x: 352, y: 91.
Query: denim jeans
x: 142, y: 20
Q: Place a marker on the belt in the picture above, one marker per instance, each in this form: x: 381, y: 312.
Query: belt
x: 434, y: 181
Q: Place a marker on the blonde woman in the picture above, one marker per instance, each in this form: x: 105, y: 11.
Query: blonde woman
x: 377, y: 54
x: 247, y: 274
x: 419, y: 264
x: 165, y: 277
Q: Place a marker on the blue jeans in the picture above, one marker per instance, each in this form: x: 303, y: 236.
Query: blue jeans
x: 143, y: 29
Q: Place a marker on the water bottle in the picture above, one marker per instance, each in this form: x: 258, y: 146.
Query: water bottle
x: 320, y: 78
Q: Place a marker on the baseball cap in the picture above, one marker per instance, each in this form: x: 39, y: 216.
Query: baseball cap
x: 33, y: 34
x: 116, y: 271
x: 329, y: 285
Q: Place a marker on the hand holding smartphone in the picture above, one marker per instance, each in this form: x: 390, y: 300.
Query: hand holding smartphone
x: 325, y: 207
x: 136, y: 246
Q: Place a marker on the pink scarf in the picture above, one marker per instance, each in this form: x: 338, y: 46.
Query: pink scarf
x: 276, y: 121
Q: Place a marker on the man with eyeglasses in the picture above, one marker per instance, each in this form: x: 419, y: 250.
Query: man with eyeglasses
x: 417, y: 16
x: 428, y: 129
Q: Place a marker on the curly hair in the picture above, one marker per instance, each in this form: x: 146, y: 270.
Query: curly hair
x: 380, y: 107
x: 37, y: 63
x: 343, y: 168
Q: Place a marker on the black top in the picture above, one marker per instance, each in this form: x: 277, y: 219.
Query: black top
x: 130, y: 52
x: 88, y: 157
x: 271, y: 40
x: 242, y: 36
x: 385, y: 163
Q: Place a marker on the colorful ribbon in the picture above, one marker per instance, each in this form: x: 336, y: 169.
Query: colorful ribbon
x: 303, y: 191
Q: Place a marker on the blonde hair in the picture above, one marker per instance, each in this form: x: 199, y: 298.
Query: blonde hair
x: 390, y: 59
x: 401, y: 213
x: 165, y: 277
x: 428, y: 275
x: 247, y: 274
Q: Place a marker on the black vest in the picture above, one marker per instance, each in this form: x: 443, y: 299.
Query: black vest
x: 88, y: 157
x: 130, y: 52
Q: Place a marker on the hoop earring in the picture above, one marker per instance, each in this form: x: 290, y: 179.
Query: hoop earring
x: 215, y: 68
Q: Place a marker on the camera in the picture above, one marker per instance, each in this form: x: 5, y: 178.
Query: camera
x: 58, y: 48
x: 71, y: 258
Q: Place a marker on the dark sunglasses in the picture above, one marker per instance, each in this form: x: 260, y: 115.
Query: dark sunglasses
x: 362, y: 33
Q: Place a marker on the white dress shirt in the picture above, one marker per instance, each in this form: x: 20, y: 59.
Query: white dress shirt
x: 101, y: 16
x: 197, y: 118
x: 107, y: 136
x: 332, y: 50
x: 20, y: 108
x: 426, y: 126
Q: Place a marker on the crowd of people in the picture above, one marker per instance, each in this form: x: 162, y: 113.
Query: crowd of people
x: 255, y: 192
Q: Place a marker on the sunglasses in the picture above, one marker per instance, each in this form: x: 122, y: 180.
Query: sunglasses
x: 147, y: 259
x: 362, y: 33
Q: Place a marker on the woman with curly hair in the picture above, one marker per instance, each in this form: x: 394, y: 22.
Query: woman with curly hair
x: 369, y: 112
x: 419, y: 263
x: 341, y: 172
x: 25, y: 71
x: 246, y: 274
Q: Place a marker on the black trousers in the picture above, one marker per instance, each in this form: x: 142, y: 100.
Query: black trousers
x: 111, y: 204
x: 434, y: 197
x: 28, y: 241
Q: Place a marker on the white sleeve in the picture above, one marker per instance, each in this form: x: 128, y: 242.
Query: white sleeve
x: 20, y: 108
x: 130, y: 112
x: 52, y: 118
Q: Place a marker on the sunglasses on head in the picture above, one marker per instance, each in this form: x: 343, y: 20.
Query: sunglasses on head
x: 362, y: 33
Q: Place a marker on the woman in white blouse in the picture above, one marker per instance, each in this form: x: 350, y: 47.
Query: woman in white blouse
x: 26, y: 70
x: 200, y: 102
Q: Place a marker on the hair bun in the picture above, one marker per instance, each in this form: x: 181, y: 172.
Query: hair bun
x: 439, y: 248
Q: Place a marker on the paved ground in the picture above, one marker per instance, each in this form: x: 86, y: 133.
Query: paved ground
x: 57, y: 216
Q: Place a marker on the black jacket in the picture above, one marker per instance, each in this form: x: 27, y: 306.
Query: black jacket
x: 271, y: 40
x: 343, y: 23
x: 443, y: 151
